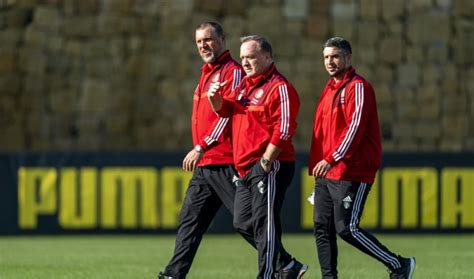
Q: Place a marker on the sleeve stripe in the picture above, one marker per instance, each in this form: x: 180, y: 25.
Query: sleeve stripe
x: 237, y: 76
x: 356, y: 116
x: 217, y: 131
x: 285, y: 112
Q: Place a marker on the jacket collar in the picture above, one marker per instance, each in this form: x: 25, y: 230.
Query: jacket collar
x: 223, y: 58
x: 350, y: 73
x: 253, y: 81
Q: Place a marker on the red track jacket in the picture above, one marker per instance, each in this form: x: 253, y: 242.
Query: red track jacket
x: 209, y: 130
x: 263, y: 110
x: 346, y: 130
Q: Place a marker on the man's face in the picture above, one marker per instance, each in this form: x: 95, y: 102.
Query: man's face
x: 254, y: 60
x: 209, y: 45
x: 336, y: 62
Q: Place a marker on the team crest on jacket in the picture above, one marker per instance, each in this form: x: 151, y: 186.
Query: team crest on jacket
x: 259, y: 93
x: 216, y: 77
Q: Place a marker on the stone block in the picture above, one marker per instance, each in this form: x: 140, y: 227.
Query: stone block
x: 11, y: 38
x: 391, y: 9
x: 415, y: 6
x: 438, y: 53
x: 94, y: 96
x: 10, y: 83
x: 34, y: 37
x: 464, y: 42
x: 117, y: 124
x: 32, y: 61
x: 408, y: 75
x: 431, y: 75
x: 295, y: 9
x: 214, y: 7
x: 47, y: 18
x: 449, y: 145
x: 369, y: 9
x: 233, y: 8
x: 384, y: 95
x: 17, y: 17
x: 428, y: 145
x: 319, y: 6
x: 317, y: 26
x: 407, y: 111
x: 8, y: 63
x: 455, y: 127
x: 384, y: 74
x: 368, y: 33
x: 391, y: 50
x: 344, y: 28
x: 418, y: 34
x: 402, y: 130
x: 63, y: 101
x: 415, y: 54
x: 346, y: 11
x: 407, y: 145
x: 463, y: 8
x: 234, y: 26
x: 365, y: 56
x: 312, y: 48
x: 426, y: 129
x: 117, y: 6
x: 396, y: 28
x: 83, y: 26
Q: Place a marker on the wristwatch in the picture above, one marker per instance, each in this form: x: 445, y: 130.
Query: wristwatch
x: 265, y: 162
x: 198, y: 149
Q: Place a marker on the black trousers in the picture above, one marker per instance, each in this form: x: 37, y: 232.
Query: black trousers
x: 258, y: 201
x: 208, y: 189
x: 338, y: 206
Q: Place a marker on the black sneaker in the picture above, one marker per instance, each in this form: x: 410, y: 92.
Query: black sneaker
x: 161, y: 275
x: 406, y: 271
x: 295, y: 272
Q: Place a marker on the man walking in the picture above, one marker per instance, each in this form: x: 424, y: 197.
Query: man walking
x: 345, y: 156
x: 211, y: 158
x: 263, y: 108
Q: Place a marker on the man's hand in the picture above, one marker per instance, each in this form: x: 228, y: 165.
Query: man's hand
x: 321, y: 169
x: 215, y: 99
x: 191, y: 160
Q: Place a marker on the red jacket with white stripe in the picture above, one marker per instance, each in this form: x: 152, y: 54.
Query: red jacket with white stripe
x: 264, y: 110
x: 346, y: 130
x: 209, y: 130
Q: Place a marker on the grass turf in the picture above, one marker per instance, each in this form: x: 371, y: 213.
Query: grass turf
x: 220, y: 256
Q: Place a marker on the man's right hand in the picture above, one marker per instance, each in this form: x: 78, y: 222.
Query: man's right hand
x: 191, y: 160
x: 215, y: 99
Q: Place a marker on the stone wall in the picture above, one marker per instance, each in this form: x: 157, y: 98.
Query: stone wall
x: 119, y: 74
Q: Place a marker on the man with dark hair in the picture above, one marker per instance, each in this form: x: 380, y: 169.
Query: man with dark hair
x: 263, y: 109
x: 211, y: 158
x: 345, y: 156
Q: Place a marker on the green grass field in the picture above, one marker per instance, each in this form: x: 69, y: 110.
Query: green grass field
x: 220, y: 256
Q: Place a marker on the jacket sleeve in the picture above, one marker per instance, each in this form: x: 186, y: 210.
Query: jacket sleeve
x: 283, y: 110
x: 359, y: 100
x: 216, y: 129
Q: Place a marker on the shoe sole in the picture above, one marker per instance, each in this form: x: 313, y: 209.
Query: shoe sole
x: 412, y: 268
x: 303, y: 270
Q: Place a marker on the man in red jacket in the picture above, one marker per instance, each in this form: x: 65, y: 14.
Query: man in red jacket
x: 345, y: 156
x: 263, y: 108
x: 211, y: 158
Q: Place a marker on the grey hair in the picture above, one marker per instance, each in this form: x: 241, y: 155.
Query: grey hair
x: 262, y: 43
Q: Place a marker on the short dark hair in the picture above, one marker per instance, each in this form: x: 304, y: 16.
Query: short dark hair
x: 216, y: 26
x: 339, y: 43
x: 262, y: 43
